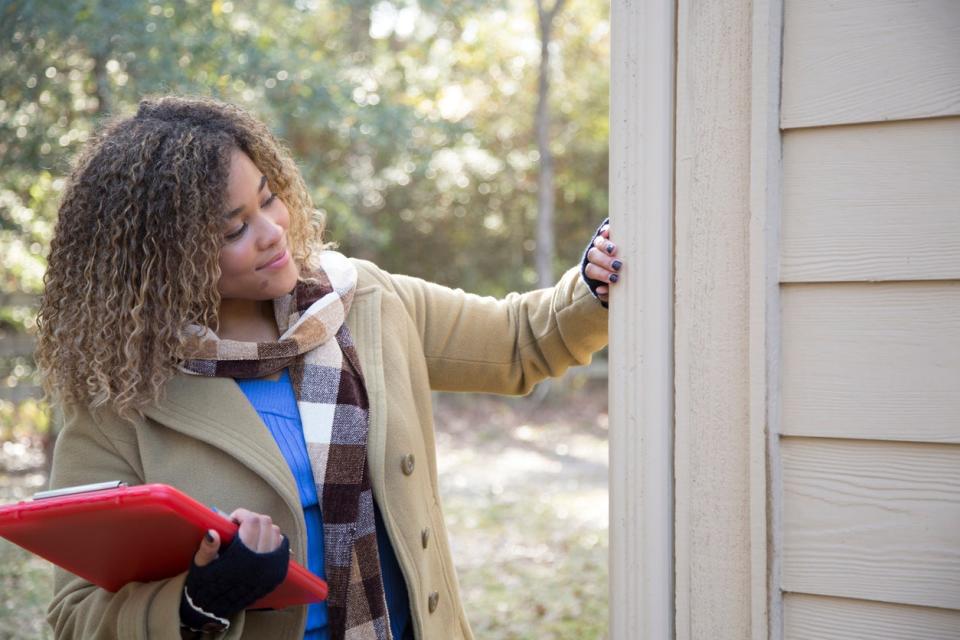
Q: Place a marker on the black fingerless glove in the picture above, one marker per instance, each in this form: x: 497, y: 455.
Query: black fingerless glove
x: 590, y: 282
x: 235, y: 580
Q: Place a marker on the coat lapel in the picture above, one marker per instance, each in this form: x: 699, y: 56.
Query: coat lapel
x: 215, y: 411
x: 364, y: 324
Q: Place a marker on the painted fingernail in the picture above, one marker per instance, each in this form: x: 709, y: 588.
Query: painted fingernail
x: 614, y: 277
x: 609, y: 247
x: 616, y: 265
x: 209, y: 537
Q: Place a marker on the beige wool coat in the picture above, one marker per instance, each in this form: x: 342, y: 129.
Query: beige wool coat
x: 207, y: 440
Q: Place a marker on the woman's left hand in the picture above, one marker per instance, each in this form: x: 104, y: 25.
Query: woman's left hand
x: 603, y: 263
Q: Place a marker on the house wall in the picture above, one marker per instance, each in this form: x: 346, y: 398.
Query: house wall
x: 815, y: 297
x: 869, y: 409
x: 712, y: 448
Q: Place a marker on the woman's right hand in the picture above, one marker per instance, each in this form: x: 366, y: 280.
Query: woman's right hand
x: 221, y: 584
x: 257, y: 532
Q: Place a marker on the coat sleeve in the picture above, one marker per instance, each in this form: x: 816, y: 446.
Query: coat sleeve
x: 79, y: 609
x: 490, y: 345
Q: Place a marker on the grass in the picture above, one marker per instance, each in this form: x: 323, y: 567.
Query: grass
x: 26, y: 581
x: 525, y: 496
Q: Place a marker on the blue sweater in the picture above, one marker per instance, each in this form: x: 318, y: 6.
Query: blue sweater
x: 274, y: 400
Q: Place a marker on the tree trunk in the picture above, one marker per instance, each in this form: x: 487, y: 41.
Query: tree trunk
x: 359, y: 25
x: 102, y: 86
x: 546, y: 196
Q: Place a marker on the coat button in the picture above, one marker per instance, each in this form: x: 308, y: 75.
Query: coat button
x: 425, y: 537
x: 407, y: 464
x: 432, y: 601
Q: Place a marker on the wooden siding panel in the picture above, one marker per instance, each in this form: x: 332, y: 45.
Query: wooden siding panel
x: 878, y: 361
x: 872, y: 202
x: 869, y: 60
x: 872, y: 520
x: 818, y: 618
x: 712, y: 440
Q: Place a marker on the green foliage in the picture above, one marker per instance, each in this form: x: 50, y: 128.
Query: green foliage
x: 23, y: 419
x: 413, y: 122
x: 26, y: 580
x: 26, y: 583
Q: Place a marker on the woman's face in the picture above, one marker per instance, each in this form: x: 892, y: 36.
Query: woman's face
x: 255, y: 260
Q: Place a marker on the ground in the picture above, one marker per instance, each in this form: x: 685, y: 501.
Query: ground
x: 524, y: 484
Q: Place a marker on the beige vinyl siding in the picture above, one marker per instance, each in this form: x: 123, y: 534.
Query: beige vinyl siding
x: 872, y: 520
x: 817, y: 618
x: 872, y: 202
x: 872, y: 360
x: 868, y: 502
x: 869, y: 60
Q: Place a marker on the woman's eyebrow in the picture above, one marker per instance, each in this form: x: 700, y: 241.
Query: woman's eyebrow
x: 230, y: 214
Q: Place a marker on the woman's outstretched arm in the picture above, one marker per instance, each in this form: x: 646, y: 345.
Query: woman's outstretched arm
x: 485, y: 344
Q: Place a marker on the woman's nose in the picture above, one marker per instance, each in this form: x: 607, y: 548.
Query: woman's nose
x: 270, y: 232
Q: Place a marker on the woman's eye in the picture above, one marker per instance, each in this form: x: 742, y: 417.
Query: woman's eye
x: 233, y: 235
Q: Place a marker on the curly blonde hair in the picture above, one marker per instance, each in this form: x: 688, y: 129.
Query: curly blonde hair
x: 134, y: 257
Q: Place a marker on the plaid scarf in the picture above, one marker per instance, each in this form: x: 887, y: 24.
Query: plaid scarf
x: 334, y: 410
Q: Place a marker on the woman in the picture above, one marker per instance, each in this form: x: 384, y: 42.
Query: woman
x: 195, y: 332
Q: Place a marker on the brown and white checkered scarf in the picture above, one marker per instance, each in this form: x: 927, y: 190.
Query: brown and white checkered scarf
x: 316, y: 346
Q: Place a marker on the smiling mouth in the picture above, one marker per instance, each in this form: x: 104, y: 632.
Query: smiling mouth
x: 275, y: 260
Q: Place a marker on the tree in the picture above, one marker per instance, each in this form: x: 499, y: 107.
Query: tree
x: 413, y: 122
x: 546, y: 197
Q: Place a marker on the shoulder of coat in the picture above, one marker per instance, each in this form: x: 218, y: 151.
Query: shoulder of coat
x: 369, y: 274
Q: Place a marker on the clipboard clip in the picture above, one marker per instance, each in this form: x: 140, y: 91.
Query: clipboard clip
x: 80, y: 488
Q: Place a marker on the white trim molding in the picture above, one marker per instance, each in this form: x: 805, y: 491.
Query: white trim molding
x: 766, y: 172
x: 641, y: 320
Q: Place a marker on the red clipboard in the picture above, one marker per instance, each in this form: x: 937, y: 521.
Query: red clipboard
x: 118, y: 534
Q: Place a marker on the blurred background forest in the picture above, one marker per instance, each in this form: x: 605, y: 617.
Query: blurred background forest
x: 464, y: 142
x: 413, y: 121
